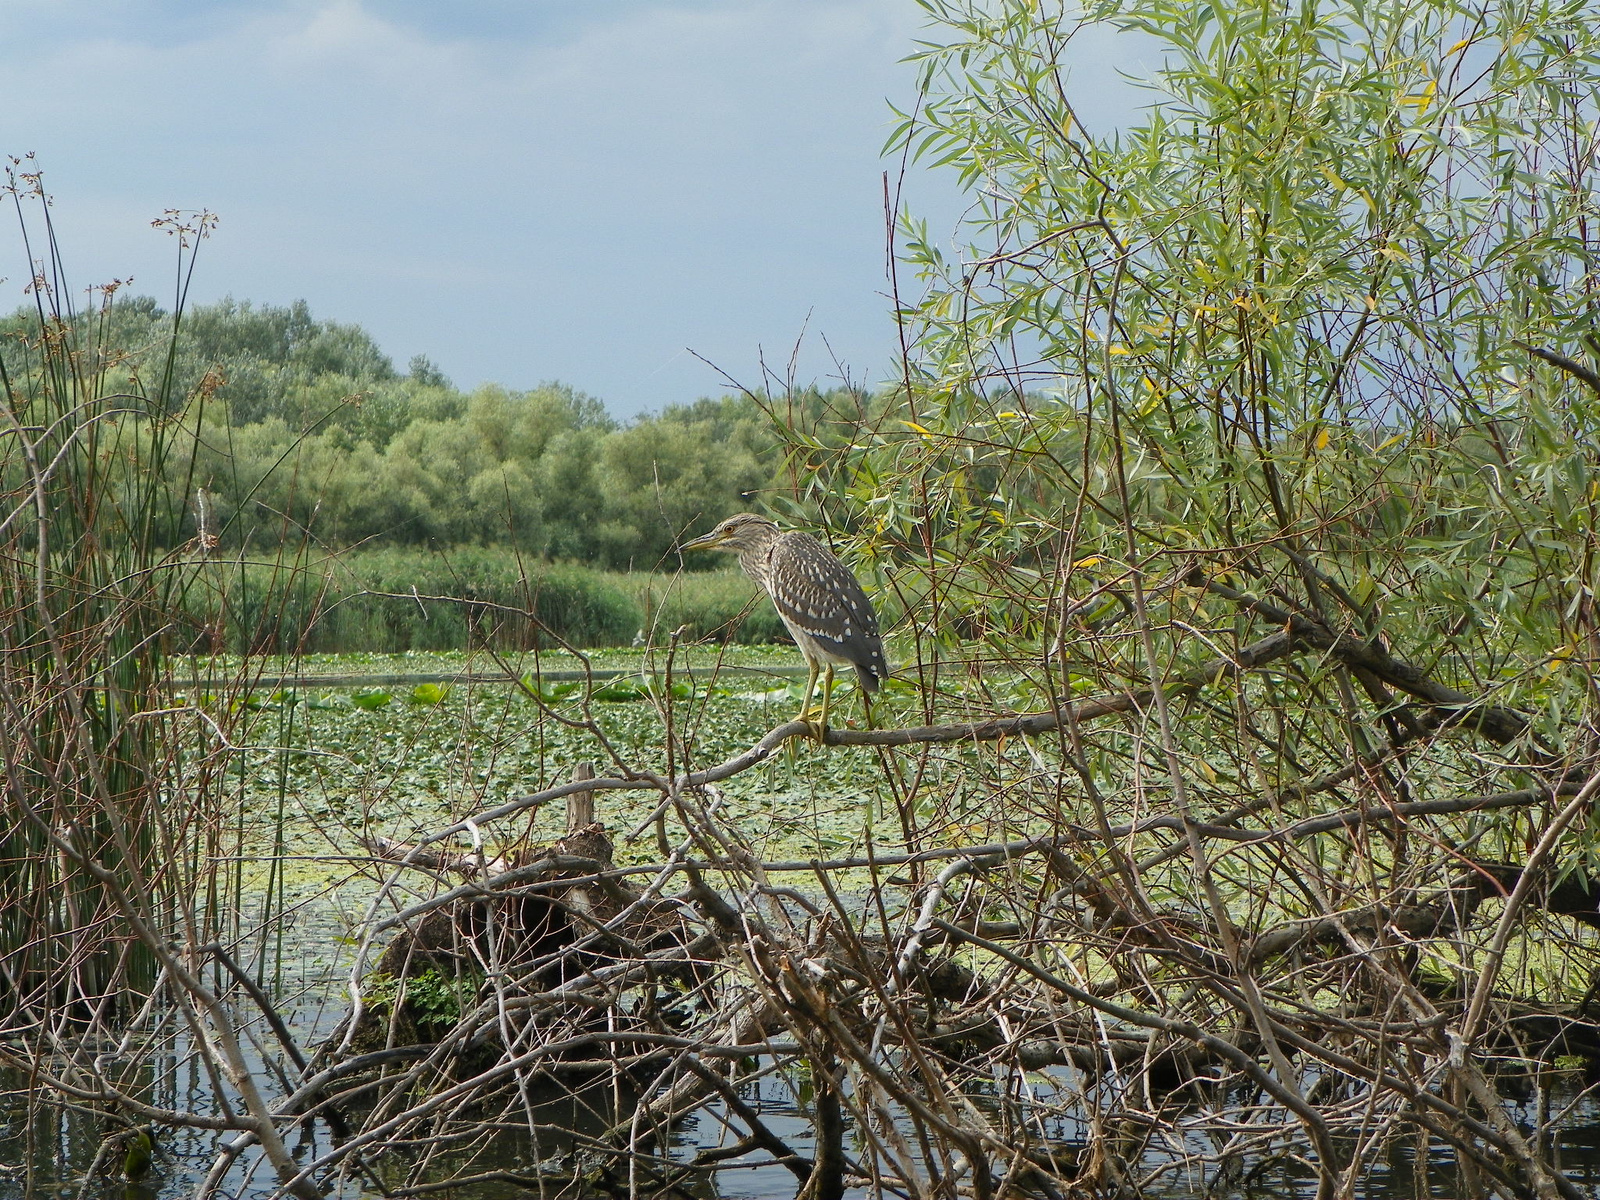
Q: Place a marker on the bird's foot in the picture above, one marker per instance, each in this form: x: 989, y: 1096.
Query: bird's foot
x: 815, y: 720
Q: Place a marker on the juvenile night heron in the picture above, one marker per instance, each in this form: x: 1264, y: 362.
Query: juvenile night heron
x: 818, y: 599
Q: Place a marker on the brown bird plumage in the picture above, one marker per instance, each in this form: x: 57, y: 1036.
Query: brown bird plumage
x: 818, y: 599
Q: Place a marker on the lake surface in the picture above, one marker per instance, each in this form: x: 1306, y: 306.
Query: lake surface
x: 48, y: 1154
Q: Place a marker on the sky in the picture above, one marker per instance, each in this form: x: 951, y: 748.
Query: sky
x: 609, y: 193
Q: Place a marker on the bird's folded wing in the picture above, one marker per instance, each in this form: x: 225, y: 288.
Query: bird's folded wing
x: 815, y: 593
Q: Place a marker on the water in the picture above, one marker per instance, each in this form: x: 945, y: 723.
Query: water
x: 49, y: 1153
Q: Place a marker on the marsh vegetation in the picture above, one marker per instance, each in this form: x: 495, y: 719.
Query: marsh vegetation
x: 1229, y: 825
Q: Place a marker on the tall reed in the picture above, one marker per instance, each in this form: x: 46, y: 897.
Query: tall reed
x: 92, y: 487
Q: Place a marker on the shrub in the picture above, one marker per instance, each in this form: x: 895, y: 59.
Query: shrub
x: 721, y: 606
x: 395, y: 599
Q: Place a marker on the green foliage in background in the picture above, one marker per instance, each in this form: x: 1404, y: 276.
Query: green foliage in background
x: 322, y: 488
x: 406, y: 598
x: 303, y: 430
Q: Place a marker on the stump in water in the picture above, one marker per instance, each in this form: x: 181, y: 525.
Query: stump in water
x: 539, y: 920
x: 517, y: 937
x: 507, y: 927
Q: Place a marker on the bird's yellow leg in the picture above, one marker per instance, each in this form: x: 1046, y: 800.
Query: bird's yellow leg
x: 811, y: 686
x: 820, y: 728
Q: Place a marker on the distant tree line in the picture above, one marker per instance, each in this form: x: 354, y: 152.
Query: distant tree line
x: 307, y: 429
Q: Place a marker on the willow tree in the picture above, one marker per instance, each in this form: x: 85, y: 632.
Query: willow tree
x: 1303, y: 347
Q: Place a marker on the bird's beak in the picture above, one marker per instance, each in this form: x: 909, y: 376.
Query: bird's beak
x: 703, y: 542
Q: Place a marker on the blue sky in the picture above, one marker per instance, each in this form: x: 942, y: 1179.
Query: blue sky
x: 521, y: 190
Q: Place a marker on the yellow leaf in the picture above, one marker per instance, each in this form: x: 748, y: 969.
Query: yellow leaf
x: 1322, y: 438
x: 1119, y: 350
x: 1397, y: 437
x: 1092, y: 561
x: 1423, y: 98
x: 1461, y: 45
x: 919, y: 428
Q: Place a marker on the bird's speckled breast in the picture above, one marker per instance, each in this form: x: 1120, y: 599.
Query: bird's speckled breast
x: 756, y: 562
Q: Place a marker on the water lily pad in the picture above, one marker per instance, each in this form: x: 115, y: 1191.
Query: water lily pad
x: 629, y: 687
x: 553, y: 693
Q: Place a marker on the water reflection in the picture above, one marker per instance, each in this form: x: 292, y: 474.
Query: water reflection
x: 49, y: 1153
